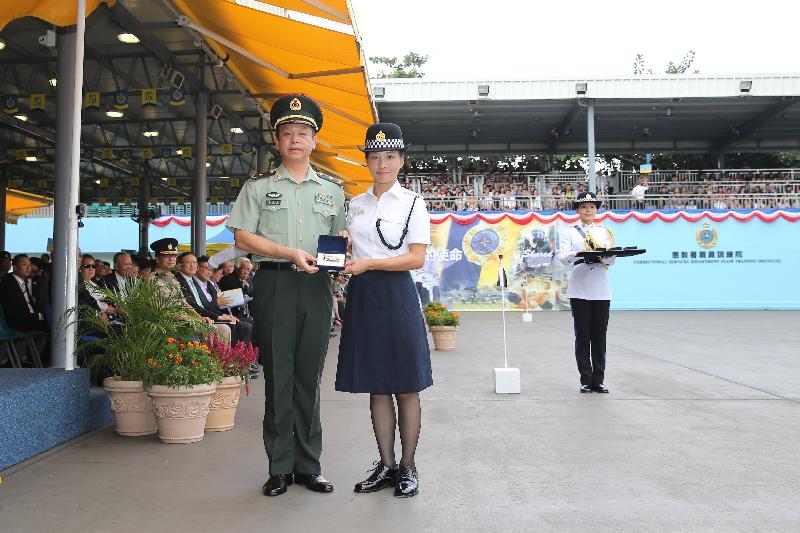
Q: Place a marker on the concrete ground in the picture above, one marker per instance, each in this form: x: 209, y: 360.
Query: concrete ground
x: 700, y: 433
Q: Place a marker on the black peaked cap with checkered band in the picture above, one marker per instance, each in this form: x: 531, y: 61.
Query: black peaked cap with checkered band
x: 296, y: 109
x: 384, y: 137
x: 587, y: 197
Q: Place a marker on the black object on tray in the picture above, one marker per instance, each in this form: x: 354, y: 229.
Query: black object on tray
x: 617, y: 251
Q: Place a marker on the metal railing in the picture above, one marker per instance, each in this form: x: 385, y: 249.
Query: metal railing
x: 617, y: 201
x: 629, y: 178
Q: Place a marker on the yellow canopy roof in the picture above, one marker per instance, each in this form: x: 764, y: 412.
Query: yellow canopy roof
x: 20, y: 203
x: 58, y: 12
x: 301, y: 58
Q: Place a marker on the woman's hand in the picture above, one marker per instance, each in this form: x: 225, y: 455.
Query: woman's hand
x: 357, y: 266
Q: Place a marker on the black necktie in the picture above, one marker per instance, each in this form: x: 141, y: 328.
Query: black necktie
x: 29, y: 297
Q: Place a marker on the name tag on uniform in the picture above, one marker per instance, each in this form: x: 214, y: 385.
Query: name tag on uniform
x: 324, y: 199
x: 331, y: 252
x: 273, y: 202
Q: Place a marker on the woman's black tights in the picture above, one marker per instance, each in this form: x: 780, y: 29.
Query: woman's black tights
x: 384, y: 421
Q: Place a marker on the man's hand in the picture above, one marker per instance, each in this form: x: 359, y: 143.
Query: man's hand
x: 301, y: 259
x: 223, y: 301
x: 228, y: 318
x: 344, y: 233
x: 357, y: 266
x: 206, y: 320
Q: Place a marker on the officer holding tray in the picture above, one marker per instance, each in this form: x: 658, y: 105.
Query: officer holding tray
x: 589, y: 290
x: 278, y: 218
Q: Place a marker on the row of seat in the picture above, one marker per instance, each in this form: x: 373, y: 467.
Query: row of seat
x: 34, y: 343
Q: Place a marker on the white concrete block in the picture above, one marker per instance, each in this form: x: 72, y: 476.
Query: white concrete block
x: 506, y: 380
x: 527, y: 317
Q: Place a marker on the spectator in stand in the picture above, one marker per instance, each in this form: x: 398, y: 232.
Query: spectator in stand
x: 638, y: 192
x: 227, y: 268
x: 45, y: 258
x: 5, y: 263
x: 240, y: 279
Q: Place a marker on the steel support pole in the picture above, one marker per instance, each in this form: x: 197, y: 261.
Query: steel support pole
x: 145, y: 188
x: 590, y: 146
x: 3, y: 192
x: 721, y: 160
x: 200, y: 192
x: 65, y: 227
x: 262, y: 163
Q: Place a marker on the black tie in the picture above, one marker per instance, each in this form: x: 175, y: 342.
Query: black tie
x: 29, y: 297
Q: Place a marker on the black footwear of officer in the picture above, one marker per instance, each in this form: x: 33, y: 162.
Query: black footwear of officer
x: 382, y: 477
x: 585, y: 389
x: 407, y: 482
x: 277, y: 484
x: 315, y: 482
x: 600, y: 388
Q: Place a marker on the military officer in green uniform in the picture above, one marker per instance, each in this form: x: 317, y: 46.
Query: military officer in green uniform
x: 278, y: 218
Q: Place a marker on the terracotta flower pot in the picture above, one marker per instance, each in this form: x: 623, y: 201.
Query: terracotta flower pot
x: 222, y: 410
x: 181, y: 412
x: 132, y: 408
x: 444, y: 337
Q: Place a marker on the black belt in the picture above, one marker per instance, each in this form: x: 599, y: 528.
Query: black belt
x: 277, y: 265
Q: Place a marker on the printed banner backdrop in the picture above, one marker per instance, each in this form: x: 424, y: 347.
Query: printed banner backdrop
x: 694, y: 260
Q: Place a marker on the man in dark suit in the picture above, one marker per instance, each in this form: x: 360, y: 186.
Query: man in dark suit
x: 240, y: 279
x: 20, y: 307
x: 195, y: 296
x: 121, y: 273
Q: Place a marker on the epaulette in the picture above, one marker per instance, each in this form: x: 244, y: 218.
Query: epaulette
x: 262, y: 175
x: 327, y: 177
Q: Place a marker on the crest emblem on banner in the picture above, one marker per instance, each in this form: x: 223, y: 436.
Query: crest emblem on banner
x: 706, y: 237
x: 481, y: 243
x: 176, y: 97
x: 120, y: 100
x: 10, y: 104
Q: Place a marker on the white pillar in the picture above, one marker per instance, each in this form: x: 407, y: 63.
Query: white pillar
x: 64, y: 279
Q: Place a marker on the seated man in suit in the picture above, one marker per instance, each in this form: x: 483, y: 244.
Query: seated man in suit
x: 215, y: 302
x: 240, y: 279
x: 21, y: 309
x: 188, y: 267
x: 17, y: 297
x: 121, y: 273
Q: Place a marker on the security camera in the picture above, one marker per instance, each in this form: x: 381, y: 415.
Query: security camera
x: 48, y: 39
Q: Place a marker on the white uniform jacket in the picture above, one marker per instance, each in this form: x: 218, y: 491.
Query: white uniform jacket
x: 392, y: 209
x: 587, y: 281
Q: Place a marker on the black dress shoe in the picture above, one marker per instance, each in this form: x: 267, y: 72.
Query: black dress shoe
x: 382, y: 477
x: 407, y: 482
x: 600, y: 388
x: 277, y: 484
x: 585, y: 389
x: 315, y: 482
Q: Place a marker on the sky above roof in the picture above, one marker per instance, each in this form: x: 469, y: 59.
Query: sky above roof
x: 500, y: 39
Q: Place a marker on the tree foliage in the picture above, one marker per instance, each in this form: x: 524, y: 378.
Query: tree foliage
x: 640, y: 67
x: 392, y: 67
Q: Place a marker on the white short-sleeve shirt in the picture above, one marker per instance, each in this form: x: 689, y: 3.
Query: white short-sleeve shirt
x: 392, y: 209
x: 588, y: 281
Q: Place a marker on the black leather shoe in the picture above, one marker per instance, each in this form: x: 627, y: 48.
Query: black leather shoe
x: 600, y: 388
x: 315, y: 482
x: 382, y: 477
x: 585, y: 389
x: 407, y: 482
x: 277, y: 484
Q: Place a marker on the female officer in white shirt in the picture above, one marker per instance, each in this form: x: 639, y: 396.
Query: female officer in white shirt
x: 384, y: 346
x: 589, y: 291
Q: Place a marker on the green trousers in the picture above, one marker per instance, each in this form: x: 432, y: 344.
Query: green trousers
x: 292, y: 323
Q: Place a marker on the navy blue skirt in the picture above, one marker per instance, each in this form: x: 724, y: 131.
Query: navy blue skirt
x: 384, y: 346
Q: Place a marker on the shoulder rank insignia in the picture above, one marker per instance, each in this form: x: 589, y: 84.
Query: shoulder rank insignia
x: 324, y: 199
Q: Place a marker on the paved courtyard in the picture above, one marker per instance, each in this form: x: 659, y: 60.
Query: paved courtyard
x: 700, y: 433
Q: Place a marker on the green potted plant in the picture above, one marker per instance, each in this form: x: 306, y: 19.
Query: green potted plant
x: 144, y: 315
x: 235, y: 361
x: 181, y: 376
x: 443, y: 324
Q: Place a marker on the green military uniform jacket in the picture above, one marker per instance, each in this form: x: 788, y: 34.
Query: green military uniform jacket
x: 288, y: 213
